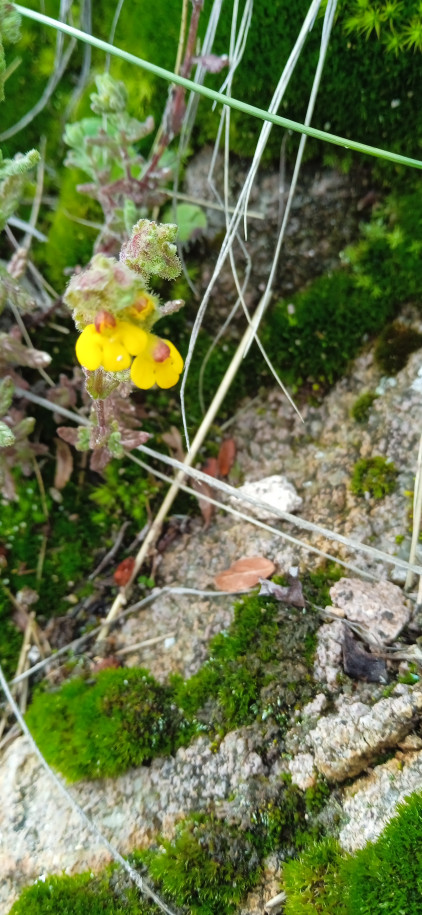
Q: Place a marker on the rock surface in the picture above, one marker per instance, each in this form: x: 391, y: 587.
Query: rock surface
x: 379, y: 607
x: 345, y: 743
x: 372, y: 801
x: 41, y: 833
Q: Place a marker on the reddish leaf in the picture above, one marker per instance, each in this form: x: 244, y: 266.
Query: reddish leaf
x: 124, y: 571
x: 210, y: 466
x: 244, y: 574
x: 226, y: 456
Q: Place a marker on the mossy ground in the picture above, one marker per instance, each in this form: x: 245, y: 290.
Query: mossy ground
x: 258, y: 670
x: 375, y: 476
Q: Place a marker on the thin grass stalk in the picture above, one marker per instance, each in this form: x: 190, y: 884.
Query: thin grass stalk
x: 238, y: 105
x: 417, y: 515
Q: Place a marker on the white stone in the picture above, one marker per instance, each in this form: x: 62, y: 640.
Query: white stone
x: 303, y: 771
x: 276, y: 490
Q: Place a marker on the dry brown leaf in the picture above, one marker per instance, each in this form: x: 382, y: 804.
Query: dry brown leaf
x: 206, y: 508
x: 173, y: 440
x: 124, y: 571
x: 64, y: 464
x: 226, y: 456
x: 210, y: 466
x: 244, y: 573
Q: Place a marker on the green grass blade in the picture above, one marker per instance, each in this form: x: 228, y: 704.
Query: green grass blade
x: 189, y: 84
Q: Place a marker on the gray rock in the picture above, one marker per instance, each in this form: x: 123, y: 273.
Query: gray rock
x: 380, y: 607
x: 345, y: 743
x: 42, y: 834
x: 372, y: 801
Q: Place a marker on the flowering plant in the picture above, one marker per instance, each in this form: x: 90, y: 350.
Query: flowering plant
x: 115, y: 311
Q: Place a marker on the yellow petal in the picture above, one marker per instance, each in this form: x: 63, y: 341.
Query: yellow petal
x: 89, y: 348
x: 115, y: 356
x: 143, y: 372
x: 133, y: 338
x: 175, y: 357
x: 167, y: 375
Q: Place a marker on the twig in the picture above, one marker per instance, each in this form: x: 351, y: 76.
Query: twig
x: 90, y: 823
x: 130, y: 648
x: 76, y: 643
x: 111, y: 553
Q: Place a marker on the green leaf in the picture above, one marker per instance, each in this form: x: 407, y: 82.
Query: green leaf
x: 190, y: 220
x: 6, y: 435
x: 6, y: 394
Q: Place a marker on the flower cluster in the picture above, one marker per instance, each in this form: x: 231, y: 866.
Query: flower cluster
x: 111, y: 344
x: 115, y: 312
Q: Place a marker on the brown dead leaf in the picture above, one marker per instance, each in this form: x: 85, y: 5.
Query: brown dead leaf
x: 226, y: 456
x: 210, y: 466
x: 290, y: 594
x: 124, y: 571
x: 173, y: 440
x: 64, y: 464
x: 244, y: 574
x: 207, y: 510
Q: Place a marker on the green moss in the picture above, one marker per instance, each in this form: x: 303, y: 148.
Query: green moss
x: 394, y: 346
x: 101, y: 727
x: 362, y: 406
x: 258, y: 669
x: 208, y: 868
x: 314, y: 883
x: 385, y: 878
x: 375, y: 476
x: 83, y: 894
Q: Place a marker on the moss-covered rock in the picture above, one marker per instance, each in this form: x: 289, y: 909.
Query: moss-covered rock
x: 375, y: 476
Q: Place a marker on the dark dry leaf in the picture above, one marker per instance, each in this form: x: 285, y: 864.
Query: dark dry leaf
x: 359, y: 663
x: 64, y: 464
x: 289, y: 594
x: 226, y: 456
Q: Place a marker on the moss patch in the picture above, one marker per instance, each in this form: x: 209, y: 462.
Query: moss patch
x: 362, y: 407
x: 394, y: 346
x: 100, y: 727
x: 258, y: 669
x: 375, y: 476
x: 83, y: 894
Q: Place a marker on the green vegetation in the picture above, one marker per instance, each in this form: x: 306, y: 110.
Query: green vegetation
x: 100, y: 727
x: 25, y: 529
x: 258, y: 669
x: 316, y: 338
x: 375, y: 476
x: 209, y: 866
x: 83, y: 894
x: 395, y: 344
x: 314, y: 882
x: 384, y: 878
x: 362, y: 406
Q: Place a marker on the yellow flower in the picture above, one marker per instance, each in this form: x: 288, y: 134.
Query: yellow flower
x: 159, y: 363
x: 111, y: 347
